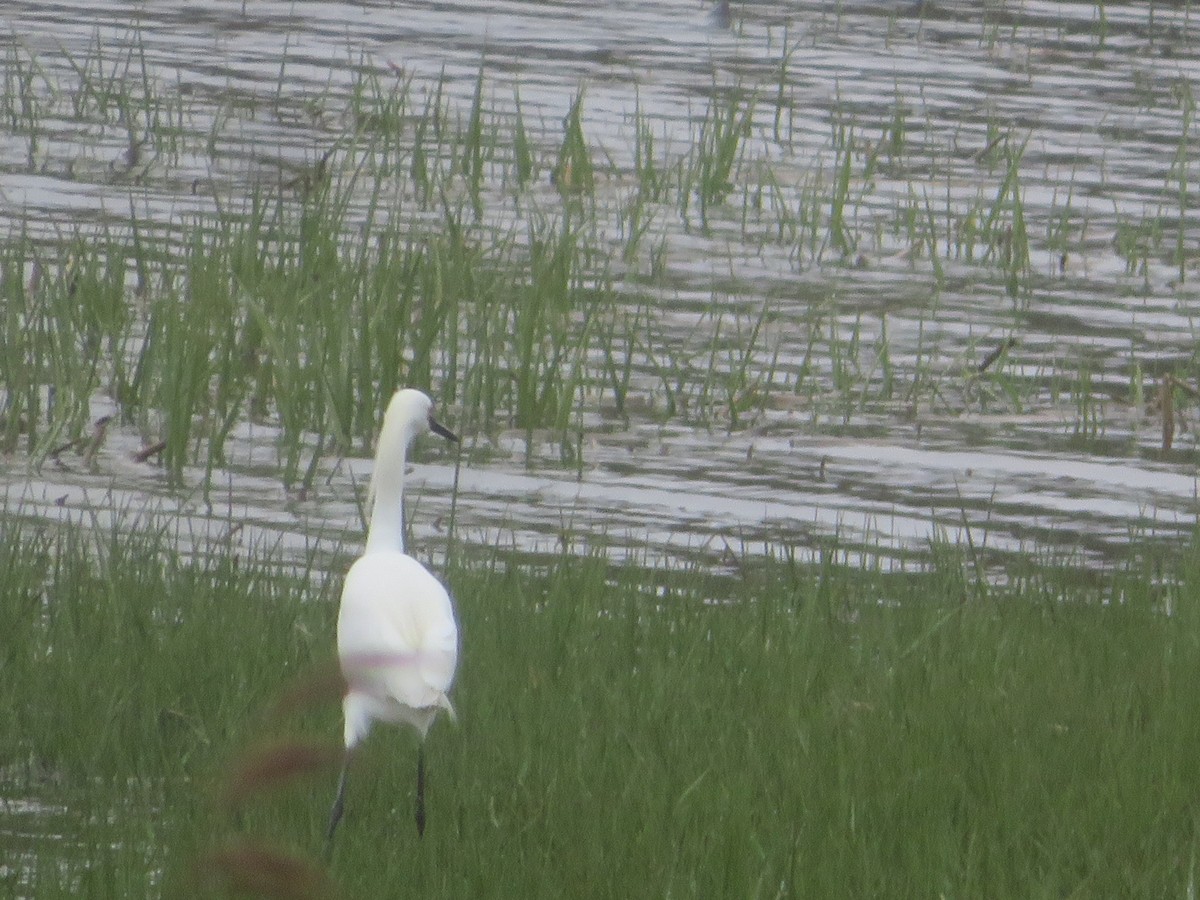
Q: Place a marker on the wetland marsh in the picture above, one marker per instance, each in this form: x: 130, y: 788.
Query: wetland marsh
x: 754, y: 309
x: 839, y: 360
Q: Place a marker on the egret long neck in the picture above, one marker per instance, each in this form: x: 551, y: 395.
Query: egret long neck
x: 387, y: 487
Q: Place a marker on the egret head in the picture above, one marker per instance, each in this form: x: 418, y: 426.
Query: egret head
x: 410, y: 413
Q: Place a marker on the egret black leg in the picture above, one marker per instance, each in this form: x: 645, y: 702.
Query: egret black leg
x: 339, y: 805
x: 420, y: 790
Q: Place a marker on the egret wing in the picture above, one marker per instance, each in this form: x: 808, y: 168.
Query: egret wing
x: 396, y: 632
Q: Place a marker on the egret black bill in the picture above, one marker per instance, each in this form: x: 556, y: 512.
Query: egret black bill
x: 438, y: 428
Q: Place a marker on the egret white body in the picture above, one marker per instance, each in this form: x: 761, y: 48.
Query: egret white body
x: 397, y: 635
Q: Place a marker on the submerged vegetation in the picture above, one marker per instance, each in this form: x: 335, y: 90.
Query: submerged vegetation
x: 827, y: 731
x: 523, y: 270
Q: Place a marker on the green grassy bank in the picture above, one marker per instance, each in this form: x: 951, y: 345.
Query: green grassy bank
x: 800, y: 731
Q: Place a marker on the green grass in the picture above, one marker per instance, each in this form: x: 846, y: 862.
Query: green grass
x: 799, y: 731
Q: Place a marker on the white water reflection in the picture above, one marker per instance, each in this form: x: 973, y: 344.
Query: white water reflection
x: 1099, y: 112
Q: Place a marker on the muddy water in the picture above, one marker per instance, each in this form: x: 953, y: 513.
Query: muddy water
x: 1099, y: 102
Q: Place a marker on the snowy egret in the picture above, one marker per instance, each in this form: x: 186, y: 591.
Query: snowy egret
x: 396, y: 633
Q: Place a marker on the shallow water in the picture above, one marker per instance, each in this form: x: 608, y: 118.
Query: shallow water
x: 1100, y: 106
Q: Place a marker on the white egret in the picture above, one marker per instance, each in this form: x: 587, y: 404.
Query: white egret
x: 396, y: 633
